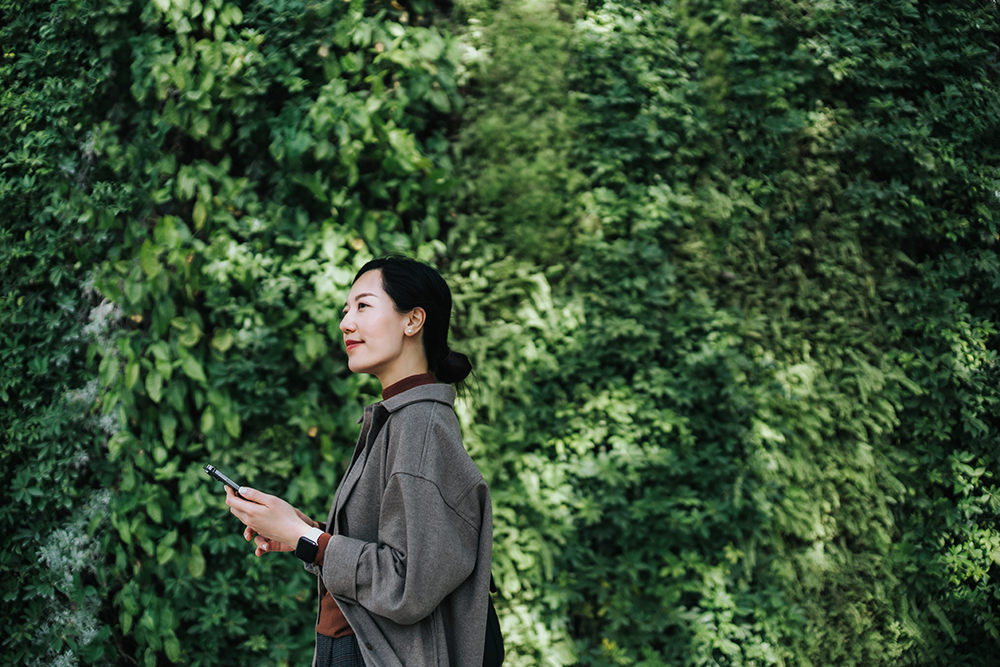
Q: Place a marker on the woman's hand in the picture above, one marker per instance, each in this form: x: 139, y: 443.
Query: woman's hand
x: 271, y: 522
x: 264, y: 545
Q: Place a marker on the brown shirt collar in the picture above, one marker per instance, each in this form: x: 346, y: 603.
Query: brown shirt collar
x: 397, y: 388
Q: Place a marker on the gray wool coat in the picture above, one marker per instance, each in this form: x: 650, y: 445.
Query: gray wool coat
x: 412, y: 526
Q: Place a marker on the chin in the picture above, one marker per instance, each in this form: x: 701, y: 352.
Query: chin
x: 357, y: 366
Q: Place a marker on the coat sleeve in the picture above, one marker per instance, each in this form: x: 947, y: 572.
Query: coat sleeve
x: 425, y: 550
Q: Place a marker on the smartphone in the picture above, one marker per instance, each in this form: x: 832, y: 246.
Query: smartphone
x: 214, y: 472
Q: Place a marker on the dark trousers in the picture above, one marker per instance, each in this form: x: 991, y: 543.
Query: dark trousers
x: 340, y: 652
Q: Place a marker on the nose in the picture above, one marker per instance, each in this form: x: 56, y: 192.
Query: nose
x: 346, y: 325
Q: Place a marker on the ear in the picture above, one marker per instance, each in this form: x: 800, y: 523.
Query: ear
x: 415, y: 321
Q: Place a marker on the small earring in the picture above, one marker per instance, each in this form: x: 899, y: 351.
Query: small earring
x: 409, y: 331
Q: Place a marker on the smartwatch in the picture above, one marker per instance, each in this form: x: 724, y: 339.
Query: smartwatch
x: 308, y: 546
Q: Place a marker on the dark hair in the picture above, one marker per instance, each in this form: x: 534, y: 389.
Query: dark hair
x: 411, y: 284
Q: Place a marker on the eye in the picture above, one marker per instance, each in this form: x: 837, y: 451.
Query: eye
x: 362, y: 304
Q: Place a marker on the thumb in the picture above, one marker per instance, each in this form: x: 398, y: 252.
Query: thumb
x: 253, y: 495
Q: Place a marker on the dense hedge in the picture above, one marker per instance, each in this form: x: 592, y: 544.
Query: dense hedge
x: 755, y: 422
x: 188, y: 221
x: 728, y: 272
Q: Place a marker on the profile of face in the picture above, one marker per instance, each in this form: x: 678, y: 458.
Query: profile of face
x: 379, y: 339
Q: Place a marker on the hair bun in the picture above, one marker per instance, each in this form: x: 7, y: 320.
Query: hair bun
x: 454, y: 368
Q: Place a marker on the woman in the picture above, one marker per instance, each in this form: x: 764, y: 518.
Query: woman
x: 403, y: 560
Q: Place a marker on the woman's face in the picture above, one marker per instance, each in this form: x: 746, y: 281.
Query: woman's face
x: 375, y: 334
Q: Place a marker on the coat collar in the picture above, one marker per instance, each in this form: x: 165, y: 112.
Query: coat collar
x: 439, y: 393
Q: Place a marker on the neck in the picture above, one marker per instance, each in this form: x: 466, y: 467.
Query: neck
x: 411, y: 361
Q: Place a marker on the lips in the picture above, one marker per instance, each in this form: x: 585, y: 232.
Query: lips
x: 351, y: 344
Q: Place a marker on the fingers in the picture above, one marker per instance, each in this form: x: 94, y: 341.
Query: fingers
x: 239, y: 508
x: 266, y: 515
x: 264, y: 545
x: 254, y: 496
x: 246, y: 495
x: 232, y: 498
x: 242, y: 507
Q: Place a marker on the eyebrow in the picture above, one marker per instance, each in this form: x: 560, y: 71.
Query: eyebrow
x: 361, y: 296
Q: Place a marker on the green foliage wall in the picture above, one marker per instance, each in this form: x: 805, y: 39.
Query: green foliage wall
x: 723, y: 440
x: 55, y: 505
x: 188, y: 189
x: 727, y: 270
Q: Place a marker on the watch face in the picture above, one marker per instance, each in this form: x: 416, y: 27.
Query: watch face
x: 306, y: 550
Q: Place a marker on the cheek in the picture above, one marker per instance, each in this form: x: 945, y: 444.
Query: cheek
x: 387, y: 329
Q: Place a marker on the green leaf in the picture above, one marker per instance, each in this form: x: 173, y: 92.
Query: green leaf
x: 207, y: 420
x: 196, y: 563
x: 131, y: 374
x: 172, y: 647
x: 231, y: 420
x: 154, y: 385
x: 160, y: 351
x: 108, y: 369
x: 193, y: 369
x: 155, y: 511
x: 148, y: 258
x: 168, y: 427
x: 164, y: 553
x: 198, y: 214
x: 116, y: 443
x: 191, y: 335
x: 223, y: 340
x: 192, y: 505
